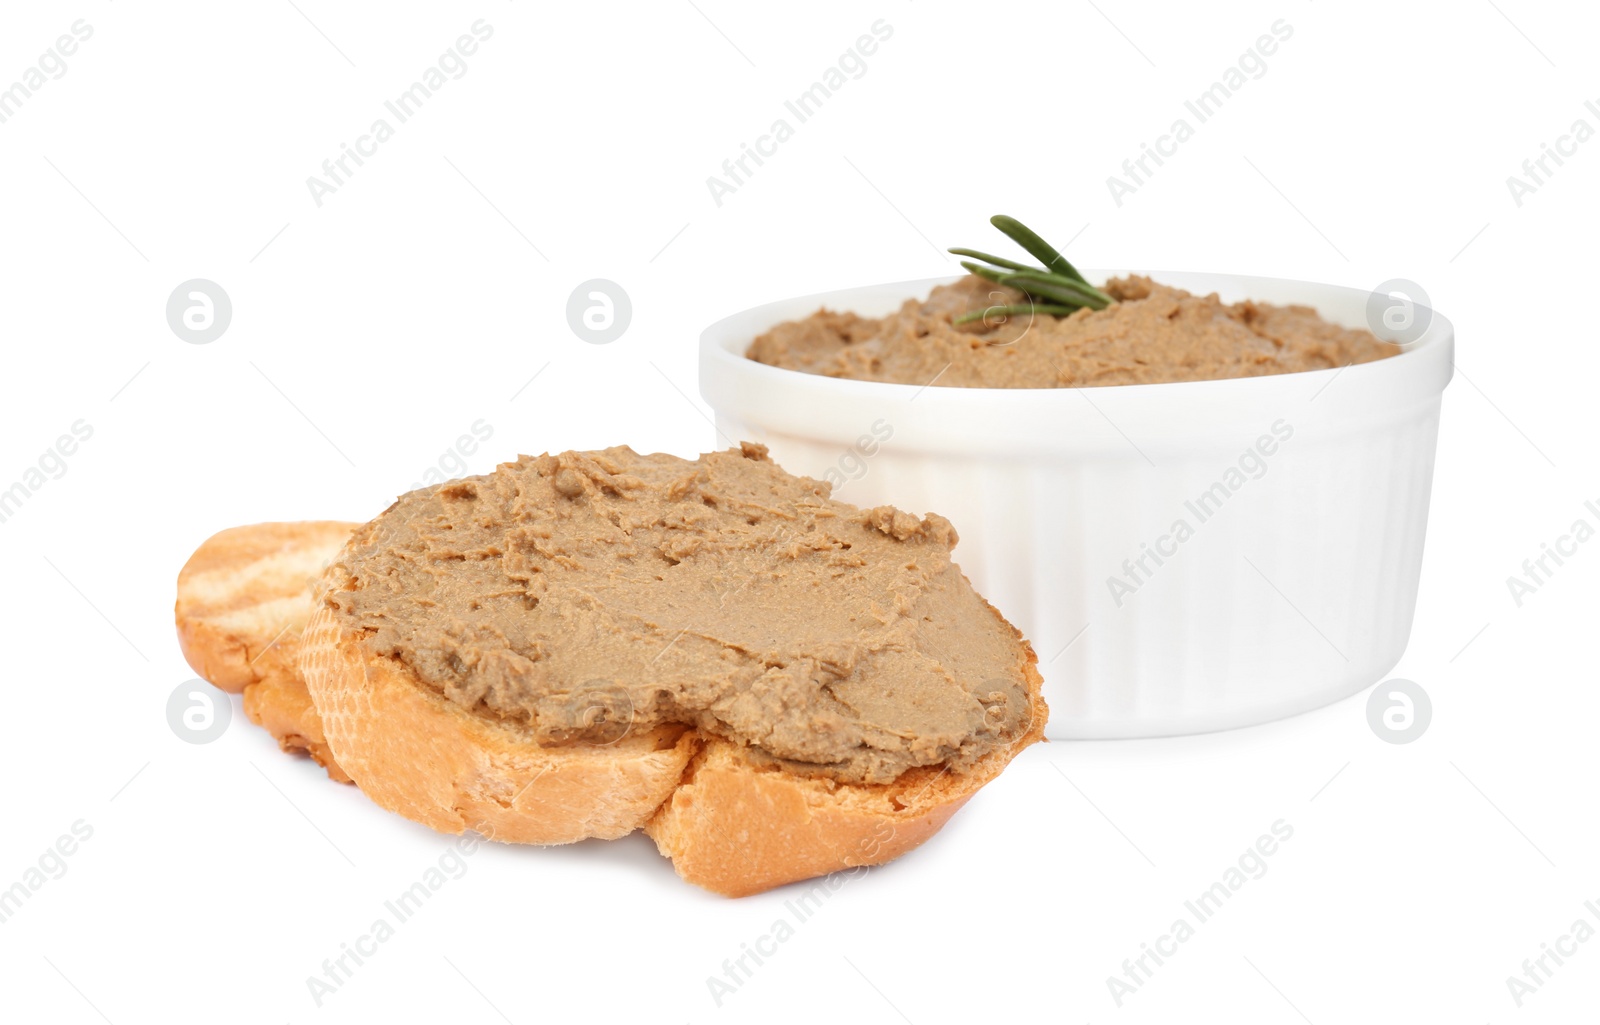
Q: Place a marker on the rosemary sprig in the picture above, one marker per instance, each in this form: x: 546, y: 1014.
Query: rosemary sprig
x: 1044, y: 251
x: 1057, y: 288
x: 998, y: 261
x: 1018, y: 310
x: 982, y: 271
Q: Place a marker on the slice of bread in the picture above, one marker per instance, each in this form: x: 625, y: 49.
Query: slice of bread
x: 731, y: 822
x: 244, y: 597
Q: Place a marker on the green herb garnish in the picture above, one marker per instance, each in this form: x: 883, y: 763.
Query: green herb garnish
x: 1056, y: 288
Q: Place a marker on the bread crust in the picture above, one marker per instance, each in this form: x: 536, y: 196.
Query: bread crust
x: 736, y: 827
x: 244, y: 598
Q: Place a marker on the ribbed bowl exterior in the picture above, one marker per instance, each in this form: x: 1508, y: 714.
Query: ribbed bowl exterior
x: 1183, y: 557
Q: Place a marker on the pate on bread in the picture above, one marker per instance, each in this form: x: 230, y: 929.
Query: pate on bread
x: 772, y: 683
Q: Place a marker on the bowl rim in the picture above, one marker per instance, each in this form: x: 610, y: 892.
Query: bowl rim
x: 1432, y: 350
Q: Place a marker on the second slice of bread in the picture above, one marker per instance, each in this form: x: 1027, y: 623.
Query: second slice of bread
x: 243, y: 599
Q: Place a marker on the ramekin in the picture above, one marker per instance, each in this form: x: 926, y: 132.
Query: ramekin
x: 1295, y: 584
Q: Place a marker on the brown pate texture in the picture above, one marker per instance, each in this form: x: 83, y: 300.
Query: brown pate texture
x: 589, y: 593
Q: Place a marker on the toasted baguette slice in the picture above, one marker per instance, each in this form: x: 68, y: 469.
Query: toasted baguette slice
x: 415, y: 753
x: 730, y: 823
x: 244, y: 597
x: 736, y: 827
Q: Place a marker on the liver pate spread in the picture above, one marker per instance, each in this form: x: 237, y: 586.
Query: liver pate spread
x: 590, y: 592
x: 1153, y: 334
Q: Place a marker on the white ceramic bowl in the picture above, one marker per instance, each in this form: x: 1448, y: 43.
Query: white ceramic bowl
x: 1305, y: 498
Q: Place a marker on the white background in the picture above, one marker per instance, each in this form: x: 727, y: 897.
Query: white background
x: 369, y: 333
